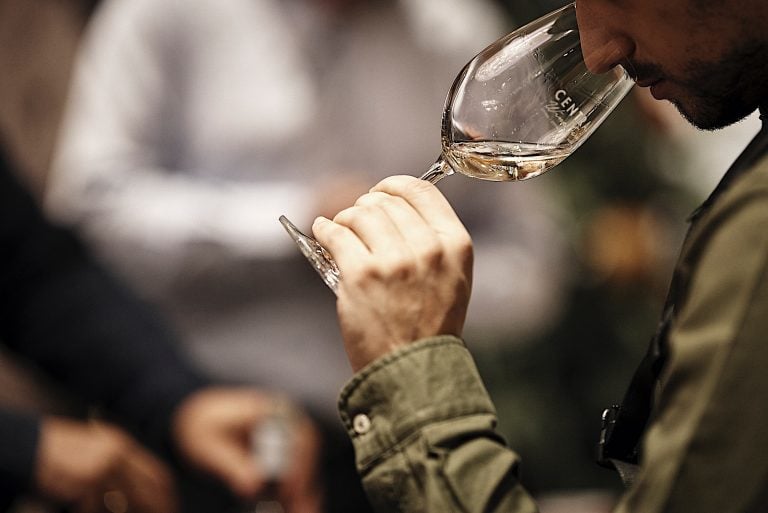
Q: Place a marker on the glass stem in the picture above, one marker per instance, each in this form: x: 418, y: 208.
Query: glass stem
x: 439, y: 170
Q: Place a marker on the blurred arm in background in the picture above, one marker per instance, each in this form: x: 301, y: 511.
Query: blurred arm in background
x: 62, y: 312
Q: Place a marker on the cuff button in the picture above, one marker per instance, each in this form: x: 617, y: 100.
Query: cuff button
x: 361, y: 424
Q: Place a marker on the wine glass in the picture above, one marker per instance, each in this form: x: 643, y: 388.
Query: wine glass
x: 516, y: 110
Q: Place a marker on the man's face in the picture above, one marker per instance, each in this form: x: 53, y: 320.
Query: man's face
x: 708, y: 57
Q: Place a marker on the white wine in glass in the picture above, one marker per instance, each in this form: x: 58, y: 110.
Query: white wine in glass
x: 516, y: 110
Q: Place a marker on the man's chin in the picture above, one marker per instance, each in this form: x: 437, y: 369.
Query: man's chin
x: 709, y: 117
x: 697, y: 120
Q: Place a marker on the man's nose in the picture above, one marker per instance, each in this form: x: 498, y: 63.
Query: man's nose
x: 602, y: 56
x: 602, y: 47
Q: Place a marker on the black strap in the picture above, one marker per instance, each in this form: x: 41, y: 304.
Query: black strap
x: 623, y: 425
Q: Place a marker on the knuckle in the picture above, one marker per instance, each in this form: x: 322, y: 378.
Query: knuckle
x: 463, y: 247
x: 398, y: 179
x: 361, y: 272
x: 363, y: 279
x: 400, y: 271
x: 350, y: 216
x: 381, y: 271
x: 421, y: 186
x: 343, y: 215
x: 404, y: 185
x: 371, y: 198
x: 433, y: 254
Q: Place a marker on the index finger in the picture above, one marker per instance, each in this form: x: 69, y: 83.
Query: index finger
x: 427, y: 200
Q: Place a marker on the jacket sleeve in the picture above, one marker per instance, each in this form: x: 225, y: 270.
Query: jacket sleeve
x: 62, y: 312
x: 423, y: 427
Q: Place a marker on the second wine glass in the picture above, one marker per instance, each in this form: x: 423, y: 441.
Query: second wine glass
x: 516, y: 110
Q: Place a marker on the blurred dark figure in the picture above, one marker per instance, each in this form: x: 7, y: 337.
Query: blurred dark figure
x: 72, y: 322
x: 127, y: 412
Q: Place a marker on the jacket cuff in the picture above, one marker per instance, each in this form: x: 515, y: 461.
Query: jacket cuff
x: 428, y: 381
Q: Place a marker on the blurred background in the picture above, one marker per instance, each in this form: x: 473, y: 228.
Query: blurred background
x: 190, y: 126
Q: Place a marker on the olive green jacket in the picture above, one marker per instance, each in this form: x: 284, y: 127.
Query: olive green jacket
x: 423, y: 425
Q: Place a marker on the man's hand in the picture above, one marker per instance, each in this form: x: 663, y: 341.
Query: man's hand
x: 406, y: 260
x: 95, y: 467
x: 213, y: 430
